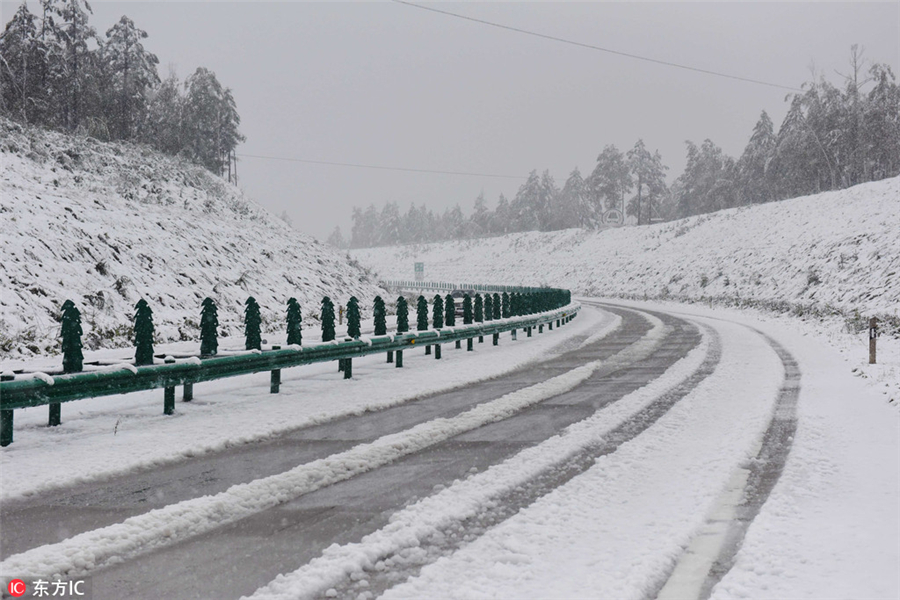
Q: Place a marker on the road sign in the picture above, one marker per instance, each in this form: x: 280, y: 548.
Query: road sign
x: 420, y: 271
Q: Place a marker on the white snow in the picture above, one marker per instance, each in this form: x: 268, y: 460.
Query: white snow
x: 108, y: 224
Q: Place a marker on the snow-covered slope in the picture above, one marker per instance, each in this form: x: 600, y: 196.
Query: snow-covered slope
x: 108, y: 224
x: 833, y: 251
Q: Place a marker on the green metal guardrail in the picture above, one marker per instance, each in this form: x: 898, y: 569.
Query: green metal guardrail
x: 22, y: 393
x: 448, y: 287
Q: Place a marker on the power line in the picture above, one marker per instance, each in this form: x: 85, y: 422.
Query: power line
x: 599, y: 48
x: 381, y: 167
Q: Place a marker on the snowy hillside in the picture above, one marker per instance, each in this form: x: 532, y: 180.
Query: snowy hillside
x: 108, y: 224
x: 836, y: 251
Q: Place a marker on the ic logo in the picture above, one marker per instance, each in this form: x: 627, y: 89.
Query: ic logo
x: 16, y: 588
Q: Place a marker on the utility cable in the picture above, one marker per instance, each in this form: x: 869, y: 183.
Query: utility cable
x: 381, y: 167
x: 599, y: 48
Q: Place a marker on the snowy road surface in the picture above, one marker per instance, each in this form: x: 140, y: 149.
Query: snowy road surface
x: 637, y: 452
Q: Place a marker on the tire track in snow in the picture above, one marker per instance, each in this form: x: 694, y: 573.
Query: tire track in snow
x: 164, y: 527
x: 393, y: 555
x: 714, y: 548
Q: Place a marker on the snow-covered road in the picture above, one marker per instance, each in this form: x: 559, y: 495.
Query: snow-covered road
x: 640, y: 451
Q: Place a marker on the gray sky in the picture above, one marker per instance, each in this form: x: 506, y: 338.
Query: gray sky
x: 385, y: 84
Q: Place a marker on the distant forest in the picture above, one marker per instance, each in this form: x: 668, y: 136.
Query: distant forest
x: 833, y: 137
x: 57, y: 72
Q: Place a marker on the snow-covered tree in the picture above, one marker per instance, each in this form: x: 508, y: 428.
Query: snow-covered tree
x: 649, y: 177
x: 607, y: 184
x: 132, y: 72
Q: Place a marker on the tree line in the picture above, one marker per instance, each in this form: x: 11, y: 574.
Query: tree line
x: 56, y: 71
x: 832, y: 137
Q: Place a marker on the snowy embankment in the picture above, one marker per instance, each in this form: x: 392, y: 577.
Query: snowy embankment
x: 107, y: 224
x: 831, y: 260
x: 836, y: 250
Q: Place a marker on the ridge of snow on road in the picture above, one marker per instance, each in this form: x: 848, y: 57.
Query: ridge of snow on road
x: 165, y: 526
x: 103, y: 437
x: 400, y: 541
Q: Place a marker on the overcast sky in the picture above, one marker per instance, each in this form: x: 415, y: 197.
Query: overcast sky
x: 386, y: 84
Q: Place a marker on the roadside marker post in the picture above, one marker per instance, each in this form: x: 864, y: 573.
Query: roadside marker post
x: 873, y: 336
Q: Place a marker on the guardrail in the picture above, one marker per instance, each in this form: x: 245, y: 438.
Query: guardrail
x: 448, y: 287
x: 22, y: 393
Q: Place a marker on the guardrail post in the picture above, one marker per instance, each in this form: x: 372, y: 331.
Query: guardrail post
x: 390, y: 357
x: 437, y: 351
x: 541, y: 328
x: 427, y: 350
x: 275, y: 381
x: 480, y: 339
x: 275, y: 377
x: 557, y: 322
x: 514, y: 336
x: 348, y: 368
x: 6, y: 420
x: 55, y: 415
x: 399, y: 363
x: 169, y: 395
x: 496, y: 339
x: 469, y: 345
x: 528, y: 332
x: 458, y: 344
x: 188, y: 392
x: 550, y: 325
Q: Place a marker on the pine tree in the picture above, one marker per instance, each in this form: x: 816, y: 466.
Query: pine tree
x: 506, y: 312
x: 648, y: 174
x: 479, y: 309
x: 380, y: 315
x: 143, y: 334
x: 71, y: 338
x: 608, y: 183
x: 132, y: 71
x: 163, y: 127
x: 402, y: 315
x: 467, y: 310
x: 437, y: 312
x: 496, y: 308
x: 294, y: 323
x: 488, y: 307
x: 353, y: 318
x: 421, y: 314
x: 753, y: 180
x: 209, y: 323
x: 210, y: 120
x: 449, y: 311
x: 21, y: 64
x: 252, y: 322
x: 327, y: 319
x: 76, y: 68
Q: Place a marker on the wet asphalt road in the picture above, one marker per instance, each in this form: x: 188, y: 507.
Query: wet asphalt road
x: 239, y: 558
